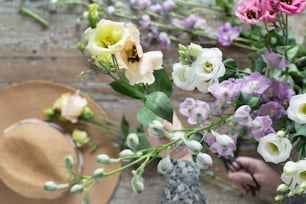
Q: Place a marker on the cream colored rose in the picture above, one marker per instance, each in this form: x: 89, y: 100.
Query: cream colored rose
x: 72, y: 107
x: 107, y: 37
x: 297, y: 108
x: 274, y: 148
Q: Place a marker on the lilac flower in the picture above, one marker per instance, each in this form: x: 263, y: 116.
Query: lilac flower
x: 110, y: 10
x: 190, y: 21
x: 144, y: 3
x: 227, y: 90
x: 223, y: 145
x: 227, y: 33
x: 272, y: 109
x: 164, y: 39
x: 254, y: 83
x: 261, y: 126
x: 156, y: 8
x: 242, y: 115
x: 168, y: 5
x: 279, y: 91
x: 145, y: 21
x: 200, y: 24
x: 275, y: 60
x: 199, y: 113
x: 186, y: 107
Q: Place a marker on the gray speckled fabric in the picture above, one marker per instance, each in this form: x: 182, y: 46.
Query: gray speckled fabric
x: 182, y: 184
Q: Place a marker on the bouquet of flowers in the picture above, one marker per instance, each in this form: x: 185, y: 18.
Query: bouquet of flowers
x: 265, y: 103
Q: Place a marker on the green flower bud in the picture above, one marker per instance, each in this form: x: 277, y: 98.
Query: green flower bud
x: 81, y: 47
x: 68, y: 162
x: 281, y: 133
x: 132, y: 141
x: 50, y: 186
x: 300, y: 191
x: 282, y: 188
x: 290, y: 194
x: 165, y: 165
x: 194, y: 146
x: 87, y: 113
x: 195, y: 49
x: 98, y: 174
x: 102, y: 159
x: 80, y: 137
x: 279, y: 198
x: 303, y: 185
x: 137, y: 183
x: 76, y: 189
x: 156, y: 129
x: 93, y: 15
x: 125, y: 154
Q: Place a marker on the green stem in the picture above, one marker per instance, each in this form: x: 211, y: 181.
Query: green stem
x: 124, y: 167
x: 35, y: 16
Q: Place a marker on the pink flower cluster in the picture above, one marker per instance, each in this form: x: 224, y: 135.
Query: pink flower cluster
x: 255, y: 11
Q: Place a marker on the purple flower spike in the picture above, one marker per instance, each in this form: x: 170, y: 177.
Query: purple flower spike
x: 261, y: 126
x: 190, y: 21
x: 272, y: 109
x: 186, y: 107
x: 156, y: 8
x: 199, y: 113
x: 144, y: 3
x: 242, y: 115
x: 168, y: 5
x: 227, y: 90
x: 145, y: 21
x: 164, y: 39
x: 275, y: 60
x: 227, y: 33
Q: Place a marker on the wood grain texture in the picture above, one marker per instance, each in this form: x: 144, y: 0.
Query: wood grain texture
x: 29, y: 51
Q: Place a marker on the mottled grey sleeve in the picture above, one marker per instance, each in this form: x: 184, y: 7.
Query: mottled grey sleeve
x: 183, y: 184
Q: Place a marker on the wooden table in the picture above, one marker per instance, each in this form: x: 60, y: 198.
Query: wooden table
x: 29, y: 51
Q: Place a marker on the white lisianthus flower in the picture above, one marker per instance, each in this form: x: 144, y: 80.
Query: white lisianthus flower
x: 203, y: 85
x: 288, y: 176
x: 61, y: 101
x: 301, y: 172
x: 138, y: 66
x: 73, y: 107
x: 274, y: 149
x: 183, y: 76
x: 209, y: 65
x: 107, y: 37
x: 297, y: 108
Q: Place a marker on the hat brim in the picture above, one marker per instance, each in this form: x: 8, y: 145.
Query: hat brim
x: 28, y: 100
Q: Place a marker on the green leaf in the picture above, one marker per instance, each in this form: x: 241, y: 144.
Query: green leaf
x: 230, y: 63
x: 126, y: 89
x: 146, y: 116
x: 249, y: 99
x: 125, y: 127
x: 162, y: 83
x: 160, y: 104
x: 292, y: 52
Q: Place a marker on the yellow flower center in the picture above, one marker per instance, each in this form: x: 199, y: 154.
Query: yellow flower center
x: 273, y: 148
x: 303, y: 175
x: 289, y: 2
x: 108, y: 36
x: 208, y: 67
x: 132, y: 55
x: 303, y: 108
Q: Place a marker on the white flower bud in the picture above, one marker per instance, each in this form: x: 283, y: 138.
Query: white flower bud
x: 156, y: 129
x: 303, y: 185
x: 137, y: 183
x: 165, y: 165
x: 282, y: 188
x: 102, y: 159
x: 98, y: 174
x: 132, y: 141
x: 50, y: 186
x: 68, y: 162
x: 76, y: 189
x: 204, y: 160
x: 281, y: 133
x: 125, y: 154
x: 194, y: 146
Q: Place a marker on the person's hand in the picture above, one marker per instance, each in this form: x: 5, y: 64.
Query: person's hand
x: 181, y: 152
x: 267, y: 178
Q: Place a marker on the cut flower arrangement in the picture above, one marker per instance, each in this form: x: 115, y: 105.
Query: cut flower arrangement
x: 265, y: 103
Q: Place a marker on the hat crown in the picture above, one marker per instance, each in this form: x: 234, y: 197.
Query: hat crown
x: 33, y: 153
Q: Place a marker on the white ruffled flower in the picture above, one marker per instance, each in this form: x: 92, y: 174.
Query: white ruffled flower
x: 208, y: 66
x: 273, y: 148
x: 107, y: 37
x: 138, y: 66
x: 297, y: 108
x: 183, y: 76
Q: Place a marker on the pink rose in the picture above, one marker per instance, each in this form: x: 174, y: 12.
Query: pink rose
x: 289, y: 7
x: 250, y: 11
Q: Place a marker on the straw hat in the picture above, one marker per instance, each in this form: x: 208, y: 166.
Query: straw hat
x: 29, y: 158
